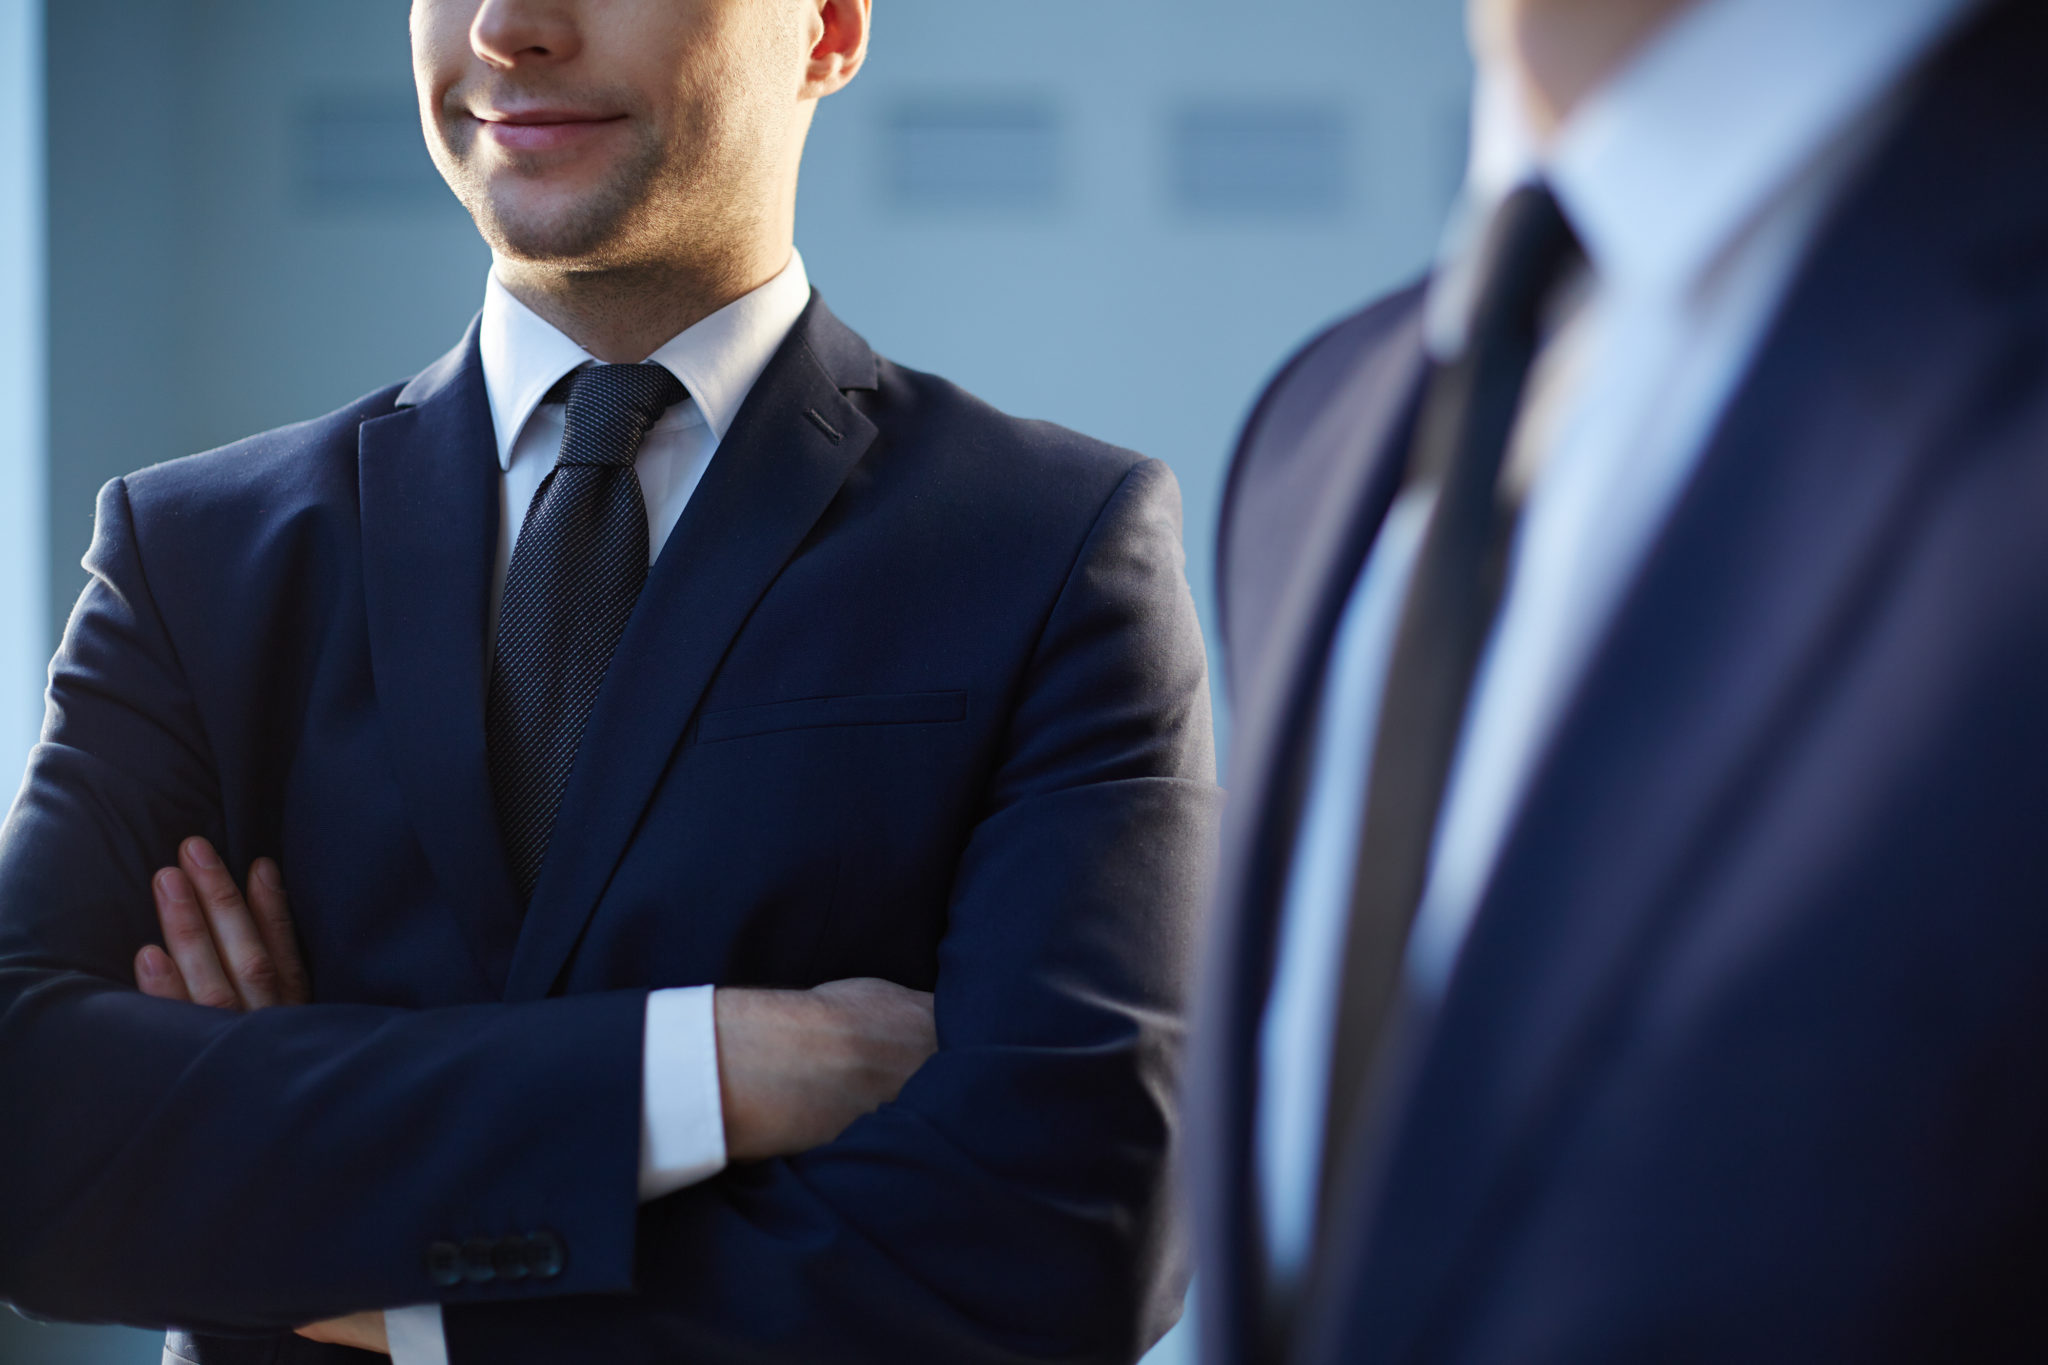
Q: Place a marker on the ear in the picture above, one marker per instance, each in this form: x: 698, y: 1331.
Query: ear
x: 840, y: 32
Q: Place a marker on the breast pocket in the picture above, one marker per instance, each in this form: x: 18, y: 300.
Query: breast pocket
x: 818, y: 713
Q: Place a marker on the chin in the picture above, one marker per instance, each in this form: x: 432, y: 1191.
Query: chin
x: 559, y: 228
x: 554, y: 242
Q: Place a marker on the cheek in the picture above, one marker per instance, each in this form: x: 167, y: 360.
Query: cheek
x: 728, y: 92
x: 440, y: 43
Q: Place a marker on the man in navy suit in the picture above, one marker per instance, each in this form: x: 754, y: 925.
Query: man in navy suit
x: 744, y: 805
x: 1632, y: 940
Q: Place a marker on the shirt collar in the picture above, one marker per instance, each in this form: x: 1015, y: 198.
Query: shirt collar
x: 718, y: 359
x: 1663, y: 167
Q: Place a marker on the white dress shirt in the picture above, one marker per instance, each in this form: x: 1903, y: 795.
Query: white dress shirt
x: 1697, y: 179
x: 718, y: 361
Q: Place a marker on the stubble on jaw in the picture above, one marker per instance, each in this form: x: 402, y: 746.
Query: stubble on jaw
x: 593, y: 231
x: 677, y: 193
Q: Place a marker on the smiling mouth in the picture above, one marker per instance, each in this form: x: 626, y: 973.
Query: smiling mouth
x: 537, y: 130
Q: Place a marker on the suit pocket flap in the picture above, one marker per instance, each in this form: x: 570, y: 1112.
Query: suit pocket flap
x: 813, y: 713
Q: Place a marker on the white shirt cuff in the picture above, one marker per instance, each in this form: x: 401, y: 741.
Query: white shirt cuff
x: 682, y: 1118
x: 415, y: 1335
x: 682, y: 1136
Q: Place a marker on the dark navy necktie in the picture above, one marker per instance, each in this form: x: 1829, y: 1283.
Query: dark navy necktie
x: 1467, y: 419
x: 576, y: 572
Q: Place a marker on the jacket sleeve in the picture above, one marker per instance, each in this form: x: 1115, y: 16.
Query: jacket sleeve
x: 163, y: 1164
x: 1015, y: 1202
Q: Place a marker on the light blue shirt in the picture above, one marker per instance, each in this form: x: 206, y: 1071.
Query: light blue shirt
x: 1697, y: 179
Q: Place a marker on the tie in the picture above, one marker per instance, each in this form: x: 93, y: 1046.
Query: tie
x: 1468, y: 416
x: 577, y: 571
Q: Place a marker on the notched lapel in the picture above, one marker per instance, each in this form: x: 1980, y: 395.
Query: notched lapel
x: 789, y: 451
x: 1352, y: 455
x: 1358, y: 450
x: 429, y: 486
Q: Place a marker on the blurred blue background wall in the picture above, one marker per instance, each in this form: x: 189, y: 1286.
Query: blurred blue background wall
x: 24, y: 382
x: 1117, y: 214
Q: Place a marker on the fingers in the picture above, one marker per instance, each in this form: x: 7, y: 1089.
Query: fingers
x: 274, y: 923
x: 796, y: 1068
x: 190, y: 941
x: 237, y: 942
x: 157, y: 976
x: 227, y: 951
x: 900, y: 1023
x: 873, y: 993
x: 363, y: 1331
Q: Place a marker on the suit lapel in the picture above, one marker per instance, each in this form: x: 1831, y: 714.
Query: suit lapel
x: 1732, y: 631
x: 429, y: 486
x: 778, y: 469
x: 1354, y: 454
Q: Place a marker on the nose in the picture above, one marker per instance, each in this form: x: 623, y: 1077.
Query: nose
x: 511, y: 33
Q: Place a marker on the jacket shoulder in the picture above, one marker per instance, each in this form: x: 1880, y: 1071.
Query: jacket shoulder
x: 1313, y: 375
x: 987, y: 460
x: 1312, y: 380
x: 292, y: 463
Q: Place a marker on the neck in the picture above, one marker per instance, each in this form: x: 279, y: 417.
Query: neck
x: 1563, y: 50
x: 624, y: 314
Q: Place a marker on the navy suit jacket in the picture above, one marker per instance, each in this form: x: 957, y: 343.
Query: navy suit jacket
x: 914, y: 691
x: 1746, y: 1058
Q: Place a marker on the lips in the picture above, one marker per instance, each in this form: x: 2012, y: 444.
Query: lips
x: 541, y: 130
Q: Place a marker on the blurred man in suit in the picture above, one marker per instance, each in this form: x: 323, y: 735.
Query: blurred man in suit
x: 1632, y: 941
x: 853, y: 845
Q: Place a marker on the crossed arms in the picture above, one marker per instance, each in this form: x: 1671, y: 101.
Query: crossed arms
x: 171, y: 1164
x: 795, y: 1068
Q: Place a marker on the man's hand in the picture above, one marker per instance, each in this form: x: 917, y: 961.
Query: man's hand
x: 795, y: 1068
x: 364, y: 1331
x: 226, y: 950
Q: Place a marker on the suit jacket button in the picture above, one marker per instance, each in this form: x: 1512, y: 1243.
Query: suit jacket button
x: 508, y: 1258
x: 444, y: 1265
x: 545, y: 1255
x: 476, y: 1260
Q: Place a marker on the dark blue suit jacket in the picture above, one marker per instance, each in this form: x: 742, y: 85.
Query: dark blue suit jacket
x: 1747, y: 1055
x: 915, y: 691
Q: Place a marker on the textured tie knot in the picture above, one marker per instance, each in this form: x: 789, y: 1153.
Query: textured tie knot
x: 610, y: 410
